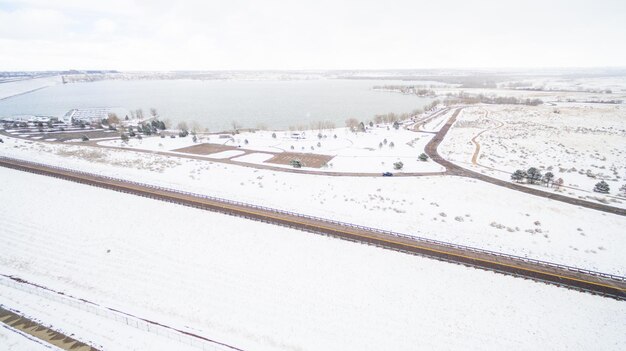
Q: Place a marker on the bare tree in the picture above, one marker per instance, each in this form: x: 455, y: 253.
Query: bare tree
x: 236, y: 126
x: 195, y: 127
x: 167, y: 123
x: 352, y: 124
x: 182, y: 125
x: 153, y: 112
x: 112, y: 119
x: 558, y: 183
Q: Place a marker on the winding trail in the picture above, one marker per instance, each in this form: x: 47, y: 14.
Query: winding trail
x: 477, y: 144
x: 453, y: 169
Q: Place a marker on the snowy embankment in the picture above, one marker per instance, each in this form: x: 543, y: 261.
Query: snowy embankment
x: 14, y: 340
x: 263, y: 287
x: 24, y: 86
x: 452, y: 209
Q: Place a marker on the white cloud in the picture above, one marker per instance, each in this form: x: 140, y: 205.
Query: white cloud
x: 32, y: 23
x: 272, y: 34
x: 105, y: 25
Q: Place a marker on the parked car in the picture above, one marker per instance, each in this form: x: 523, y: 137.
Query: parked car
x: 387, y: 174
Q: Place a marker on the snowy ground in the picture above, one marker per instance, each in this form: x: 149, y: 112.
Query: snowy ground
x: 22, y: 86
x: 263, y: 287
x: 446, y: 208
x: 375, y: 150
x: 14, y: 340
x: 582, y: 144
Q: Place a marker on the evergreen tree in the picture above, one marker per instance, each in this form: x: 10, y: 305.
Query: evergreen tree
x: 533, y: 175
x: 518, y: 175
x: 602, y: 187
x: 423, y: 157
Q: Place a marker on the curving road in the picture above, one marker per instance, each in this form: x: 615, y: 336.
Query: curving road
x: 453, y: 169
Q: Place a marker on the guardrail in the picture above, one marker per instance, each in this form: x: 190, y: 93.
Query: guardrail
x: 330, y: 221
x: 119, y: 316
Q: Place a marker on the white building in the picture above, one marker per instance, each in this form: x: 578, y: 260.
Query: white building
x: 87, y: 115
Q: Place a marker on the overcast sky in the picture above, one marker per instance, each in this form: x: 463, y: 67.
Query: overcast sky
x: 303, y: 34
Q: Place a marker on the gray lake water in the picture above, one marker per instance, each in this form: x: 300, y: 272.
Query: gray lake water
x: 216, y: 103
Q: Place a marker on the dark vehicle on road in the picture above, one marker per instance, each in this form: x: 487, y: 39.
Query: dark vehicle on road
x: 387, y: 174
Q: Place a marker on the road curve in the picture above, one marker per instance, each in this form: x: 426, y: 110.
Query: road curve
x: 575, y: 278
x: 453, y: 169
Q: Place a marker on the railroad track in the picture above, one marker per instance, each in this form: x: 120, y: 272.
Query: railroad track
x: 579, y: 279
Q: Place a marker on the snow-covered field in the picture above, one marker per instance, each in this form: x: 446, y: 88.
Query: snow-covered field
x: 262, y: 287
x: 14, y: 340
x: 446, y: 208
x: 375, y: 150
x: 582, y: 144
x: 23, y: 86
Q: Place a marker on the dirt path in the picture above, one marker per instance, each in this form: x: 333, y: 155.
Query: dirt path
x: 475, y: 141
x: 41, y: 332
x: 419, y: 125
x: 454, y: 169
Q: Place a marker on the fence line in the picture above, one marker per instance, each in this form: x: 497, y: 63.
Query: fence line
x: 119, y: 316
x: 330, y: 221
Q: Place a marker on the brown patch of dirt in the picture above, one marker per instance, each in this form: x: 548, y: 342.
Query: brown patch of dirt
x: 308, y: 160
x: 205, y: 149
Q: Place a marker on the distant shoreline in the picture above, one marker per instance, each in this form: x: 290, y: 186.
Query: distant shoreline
x: 22, y: 93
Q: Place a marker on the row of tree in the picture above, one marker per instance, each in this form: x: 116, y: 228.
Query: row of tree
x: 466, y: 98
x: 533, y: 176
x: 355, y: 126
